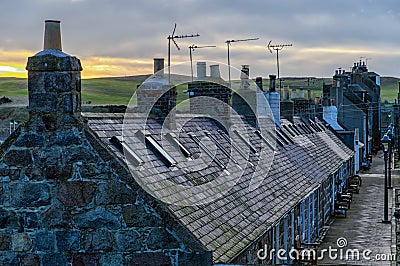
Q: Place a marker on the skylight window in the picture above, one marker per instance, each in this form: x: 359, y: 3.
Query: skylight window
x: 280, y: 136
x: 315, y: 127
x: 252, y: 148
x: 295, y: 129
x: 219, y: 145
x: 225, y: 136
x: 165, y: 156
x: 206, y: 150
x: 130, y: 155
x: 285, y: 136
x: 258, y: 132
x: 157, y: 148
x: 289, y: 130
x: 173, y: 139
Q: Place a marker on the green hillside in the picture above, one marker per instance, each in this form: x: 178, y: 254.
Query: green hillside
x: 119, y: 90
x: 389, y: 88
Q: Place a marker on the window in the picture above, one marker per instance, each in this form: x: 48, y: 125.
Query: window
x: 156, y: 148
x: 258, y: 132
x: 161, y: 152
x: 295, y: 130
x: 289, y: 130
x: 252, y: 148
x: 281, y: 137
x: 226, y: 137
x: 173, y: 139
x: 219, y: 145
x: 130, y: 155
x: 206, y: 150
x: 285, y: 136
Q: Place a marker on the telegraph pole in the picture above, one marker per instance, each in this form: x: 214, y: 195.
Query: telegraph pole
x: 277, y: 48
x: 228, y: 43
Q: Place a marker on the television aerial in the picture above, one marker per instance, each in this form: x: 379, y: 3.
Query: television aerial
x: 191, y: 49
x: 228, y: 43
x: 277, y: 48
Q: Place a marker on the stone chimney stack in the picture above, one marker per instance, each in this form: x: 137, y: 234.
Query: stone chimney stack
x: 54, y: 84
x: 155, y: 96
x: 287, y: 106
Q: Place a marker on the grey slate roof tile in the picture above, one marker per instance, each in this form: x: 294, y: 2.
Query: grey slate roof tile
x: 227, y: 225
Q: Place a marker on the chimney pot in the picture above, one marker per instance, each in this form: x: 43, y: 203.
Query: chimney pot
x: 259, y: 83
x: 294, y: 96
x: 286, y: 94
x: 272, y: 82
x: 214, y: 71
x: 201, y: 70
x: 52, y: 35
x: 159, y: 67
x: 245, y: 73
x: 301, y: 93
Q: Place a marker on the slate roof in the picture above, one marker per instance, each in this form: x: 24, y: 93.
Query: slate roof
x: 229, y: 224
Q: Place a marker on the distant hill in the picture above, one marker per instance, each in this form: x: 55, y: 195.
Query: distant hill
x: 119, y: 90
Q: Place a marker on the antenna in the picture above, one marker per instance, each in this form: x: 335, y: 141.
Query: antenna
x: 228, y: 43
x: 366, y: 59
x: 173, y: 37
x: 277, y: 48
x: 192, y: 48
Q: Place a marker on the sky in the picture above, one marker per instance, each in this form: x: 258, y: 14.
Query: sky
x: 121, y: 37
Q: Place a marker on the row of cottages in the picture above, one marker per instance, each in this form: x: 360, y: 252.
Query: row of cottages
x: 108, y: 189
x: 352, y: 107
x: 296, y: 197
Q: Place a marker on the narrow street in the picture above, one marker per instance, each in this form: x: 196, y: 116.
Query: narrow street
x: 361, y: 238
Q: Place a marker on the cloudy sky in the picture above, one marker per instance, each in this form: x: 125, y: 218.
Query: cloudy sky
x: 121, y: 37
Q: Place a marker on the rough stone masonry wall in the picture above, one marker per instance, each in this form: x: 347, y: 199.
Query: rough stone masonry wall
x: 65, y: 199
x: 62, y: 203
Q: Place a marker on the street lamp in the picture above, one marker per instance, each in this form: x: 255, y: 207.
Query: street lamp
x: 385, y: 143
x: 390, y: 135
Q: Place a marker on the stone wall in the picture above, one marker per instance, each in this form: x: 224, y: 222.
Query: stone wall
x: 64, y: 201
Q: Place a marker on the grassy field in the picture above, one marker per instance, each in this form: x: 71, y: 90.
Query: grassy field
x: 389, y: 88
x: 119, y: 90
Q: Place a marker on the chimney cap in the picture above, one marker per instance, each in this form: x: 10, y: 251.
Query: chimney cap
x: 52, y: 20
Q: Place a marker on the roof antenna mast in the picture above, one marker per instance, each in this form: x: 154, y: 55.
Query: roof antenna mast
x: 277, y: 48
x: 173, y: 37
x: 228, y: 43
x: 192, y: 48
